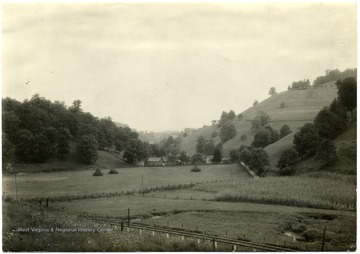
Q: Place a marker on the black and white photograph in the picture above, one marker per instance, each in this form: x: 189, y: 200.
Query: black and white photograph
x: 186, y: 126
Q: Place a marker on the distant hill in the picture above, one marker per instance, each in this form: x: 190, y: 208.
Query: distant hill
x: 300, y: 106
x: 156, y: 137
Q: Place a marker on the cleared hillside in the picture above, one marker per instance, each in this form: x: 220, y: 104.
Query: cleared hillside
x: 105, y: 160
x: 300, y: 106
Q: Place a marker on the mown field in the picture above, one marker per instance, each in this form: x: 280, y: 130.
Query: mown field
x: 31, y: 185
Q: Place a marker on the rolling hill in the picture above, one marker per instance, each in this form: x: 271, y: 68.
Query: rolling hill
x: 300, y: 106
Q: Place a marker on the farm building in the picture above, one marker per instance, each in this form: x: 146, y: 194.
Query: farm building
x: 209, y: 159
x: 155, y: 161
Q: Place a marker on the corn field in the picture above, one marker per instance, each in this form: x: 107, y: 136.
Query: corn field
x: 293, y: 191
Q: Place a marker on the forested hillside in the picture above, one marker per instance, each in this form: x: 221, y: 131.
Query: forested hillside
x: 37, y: 130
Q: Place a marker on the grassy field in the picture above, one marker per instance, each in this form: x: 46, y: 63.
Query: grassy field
x: 32, y: 185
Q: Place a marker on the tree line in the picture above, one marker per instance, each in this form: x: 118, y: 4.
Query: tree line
x: 331, y: 75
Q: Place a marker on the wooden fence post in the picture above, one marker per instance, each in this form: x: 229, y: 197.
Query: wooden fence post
x: 128, y: 218
x: 214, y: 245
x: 323, y: 240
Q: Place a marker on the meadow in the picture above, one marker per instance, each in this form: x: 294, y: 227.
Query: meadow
x: 32, y: 185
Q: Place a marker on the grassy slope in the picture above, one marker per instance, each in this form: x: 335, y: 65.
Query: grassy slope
x: 301, y: 106
x: 105, y: 160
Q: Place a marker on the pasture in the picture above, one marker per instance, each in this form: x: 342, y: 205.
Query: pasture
x: 32, y: 185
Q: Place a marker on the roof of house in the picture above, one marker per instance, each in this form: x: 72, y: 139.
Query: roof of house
x: 154, y: 159
x: 209, y: 157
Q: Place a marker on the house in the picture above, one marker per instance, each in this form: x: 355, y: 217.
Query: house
x: 155, y: 162
x: 209, y: 159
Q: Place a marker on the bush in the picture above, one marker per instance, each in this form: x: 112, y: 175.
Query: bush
x: 282, y: 105
x: 98, y: 172
x: 195, y: 169
x: 311, y: 235
x: 214, y: 134
x: 113, y: 171
x: 243, y: 137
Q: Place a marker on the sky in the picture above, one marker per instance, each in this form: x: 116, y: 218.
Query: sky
x: 170, y: 66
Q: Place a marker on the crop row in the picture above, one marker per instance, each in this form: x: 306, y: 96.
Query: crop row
x: 292, y: 191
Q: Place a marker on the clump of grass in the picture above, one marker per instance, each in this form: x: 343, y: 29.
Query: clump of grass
x: 292, y: 191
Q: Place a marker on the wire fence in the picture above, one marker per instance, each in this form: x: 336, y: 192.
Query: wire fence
x: 169, y: 187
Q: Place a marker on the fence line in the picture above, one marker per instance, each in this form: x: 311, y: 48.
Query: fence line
x: 195, y: 235
x: 71, y: 197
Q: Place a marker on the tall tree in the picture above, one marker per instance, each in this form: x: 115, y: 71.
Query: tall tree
x: 227, y: 131
x: 87, y: 149
x: 201, y: 141
x: 285, y: 130
x: 260, y: 120
x: 259, y: 160
x: 63, y: 144
x: 217, y: 155
x: 306, y: 141
x: 262, y: 138
x: 327, y: 151
x: 327, y: 122
x: 347, y: 93
x: 234, y: 155
x: 272, y: 91
x: 287, y: 161
x: 209, y: 147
